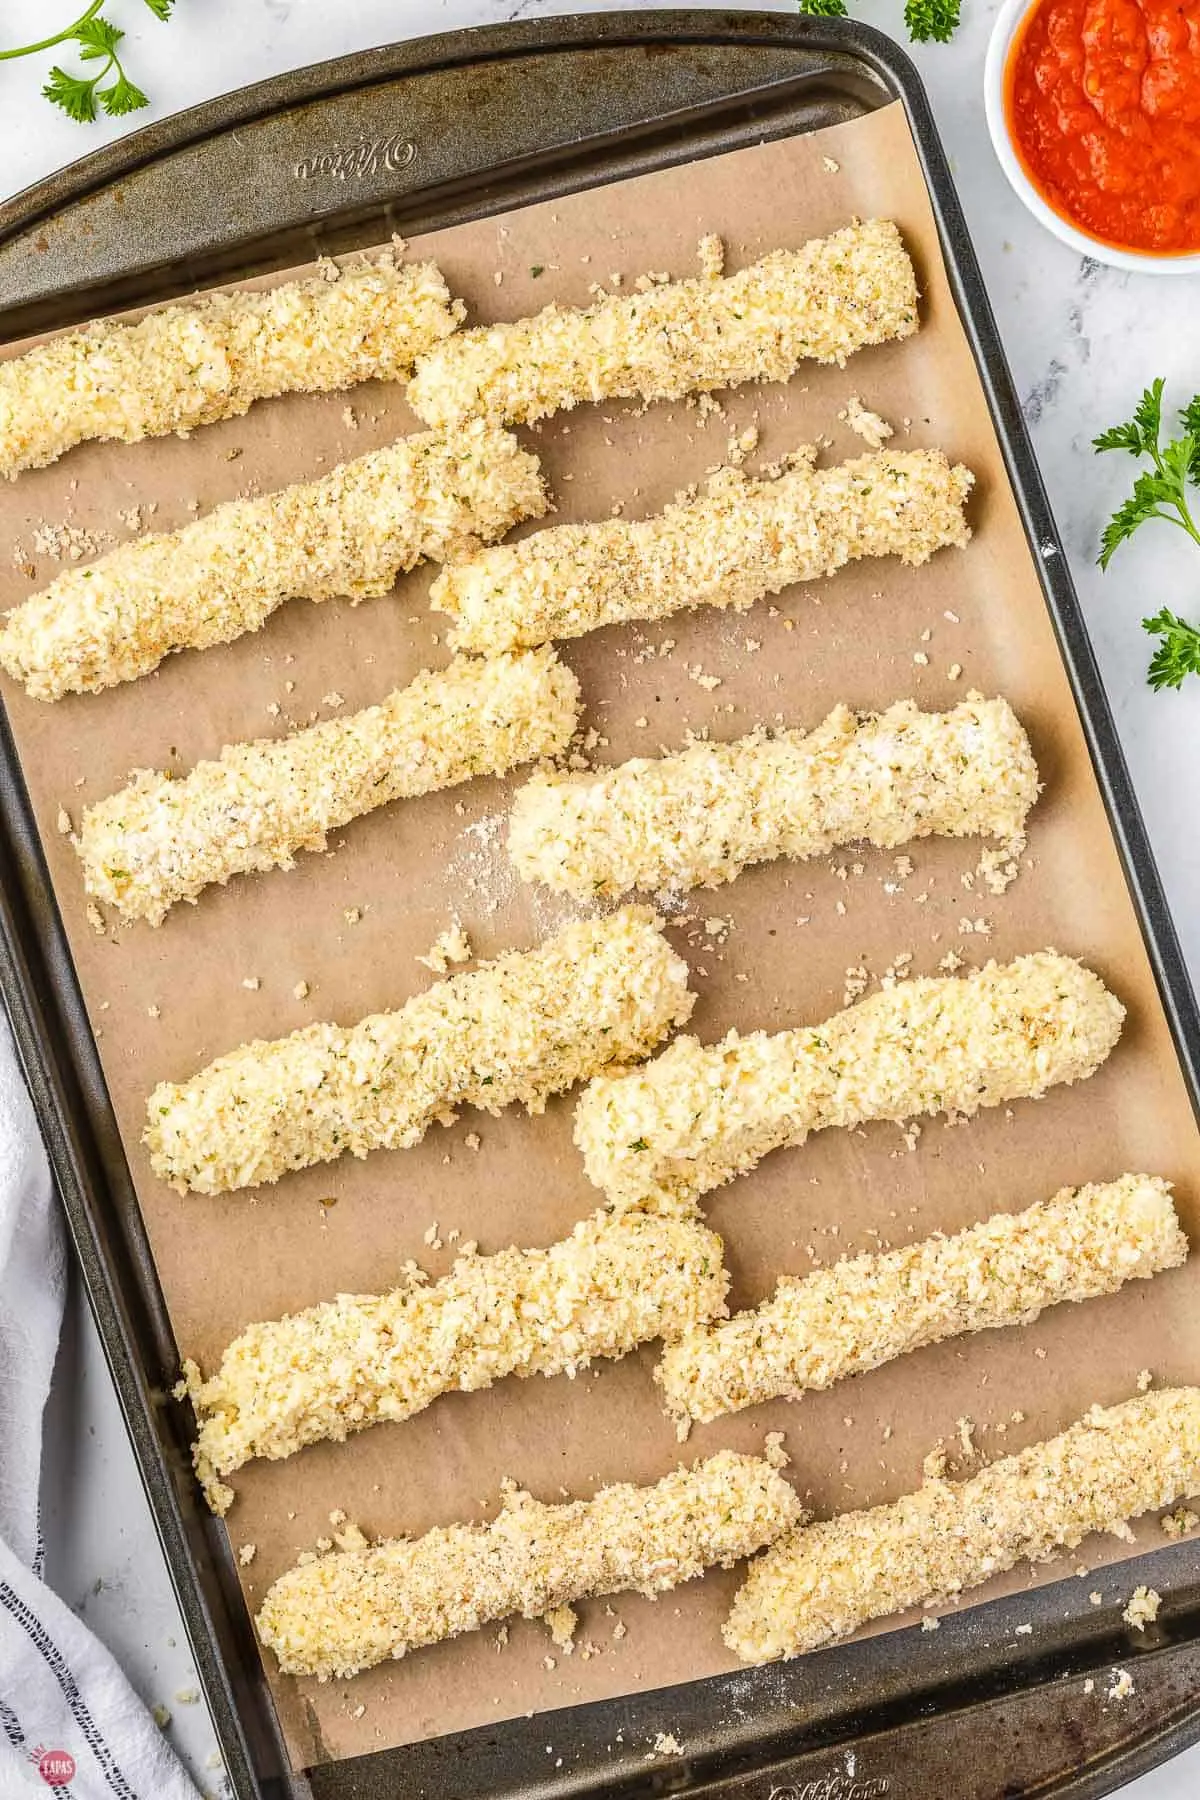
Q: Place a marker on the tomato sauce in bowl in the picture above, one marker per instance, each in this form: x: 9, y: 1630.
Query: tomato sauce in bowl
x: 1102, y: 100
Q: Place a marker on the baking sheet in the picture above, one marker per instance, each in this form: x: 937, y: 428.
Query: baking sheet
x: 165, y: 1002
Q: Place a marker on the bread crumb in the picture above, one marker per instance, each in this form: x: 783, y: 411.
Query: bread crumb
x: 1143, y: 1607
x: 95, y: 917
x: 352, y: 914
x: 161, y: 1716
x: 63, y: 822
x: 933, y: 1468
x: 710, y: 253
x: 301, y: 991
x: 562, y: 1623
x: 1122, y: 1685
x: 667, y: 1744
x: 472, y: 1140
x: 153, y: 1011
x: 450, y: 946
x: 873, y: 430
x: 1178, y: 1523
x: 774, y: 1451
x: 1145, y: 1380
x: 253, y: 982
x: 246, y: 1554
x: 929, y: 1623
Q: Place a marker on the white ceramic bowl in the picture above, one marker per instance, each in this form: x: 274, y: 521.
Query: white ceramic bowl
x: 1012, y: 12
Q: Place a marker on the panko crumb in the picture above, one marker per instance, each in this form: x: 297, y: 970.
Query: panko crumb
x: 1177, y: 1524
x: 62, y: 823
x: 1145, y: 1380
x: 667, y: 1744
x: 873, y: 430
x: 710, y: 254
x: 774, y: 1451
x: 562, y: 1622
x: 246, y: 1554
x: 1121, y: 1685
x: 450, y: 946
x: 1142, y: 1609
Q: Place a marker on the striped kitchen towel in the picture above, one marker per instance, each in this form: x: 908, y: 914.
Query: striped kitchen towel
x: 70, y: 1724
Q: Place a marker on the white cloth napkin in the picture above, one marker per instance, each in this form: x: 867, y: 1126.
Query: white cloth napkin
x: 71, y: 1727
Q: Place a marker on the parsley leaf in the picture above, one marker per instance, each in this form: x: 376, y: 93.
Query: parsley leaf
x: 1178, y: 653
x: 824, y: 9
x: 76, y: 96
x: 1163, y: 491
x: 122, y: 97
x: 97, y: 39
x: 931, y: 20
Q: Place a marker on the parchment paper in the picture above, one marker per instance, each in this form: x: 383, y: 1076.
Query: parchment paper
x: 163, y: 1003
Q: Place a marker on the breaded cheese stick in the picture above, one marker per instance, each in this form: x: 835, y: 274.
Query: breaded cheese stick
x: 213, y: 356
x: 164, y: 839
x: 351, y: 1609
x: 616, y: 1282
x: 518, y: 1029
x: 737, y: 541
x: 824, y: 1581
x: 350, y: 533
x: 870, y: 1309
x: 826, y: 300
x: 699, y: 1114
x: 697, y: 819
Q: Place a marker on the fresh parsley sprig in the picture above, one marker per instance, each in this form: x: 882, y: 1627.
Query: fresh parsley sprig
x: 108, y: 88
x: 1159, y: 492
x: 927, y: 20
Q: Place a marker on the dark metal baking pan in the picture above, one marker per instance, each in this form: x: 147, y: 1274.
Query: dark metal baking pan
x: 408, y: 138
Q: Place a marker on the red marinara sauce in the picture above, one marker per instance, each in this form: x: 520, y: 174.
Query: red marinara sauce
x: 1103, y: 102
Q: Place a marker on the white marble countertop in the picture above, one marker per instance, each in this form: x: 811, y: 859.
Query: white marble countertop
x: 1082, y: 340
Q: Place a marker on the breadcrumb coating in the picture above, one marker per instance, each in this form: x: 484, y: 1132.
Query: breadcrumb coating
x: 736, y: 542
x: 164, y: 839
x: 350, y: 533
x: 518, y: 1029
x: 347, y: 1611
x: 869, y: 1309
x: 698, y: 818
x: 824, y: 301
x: 616, y: 1282
x: 698, y: 1115
x: 213, y: 356
x: 826, y: 1580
